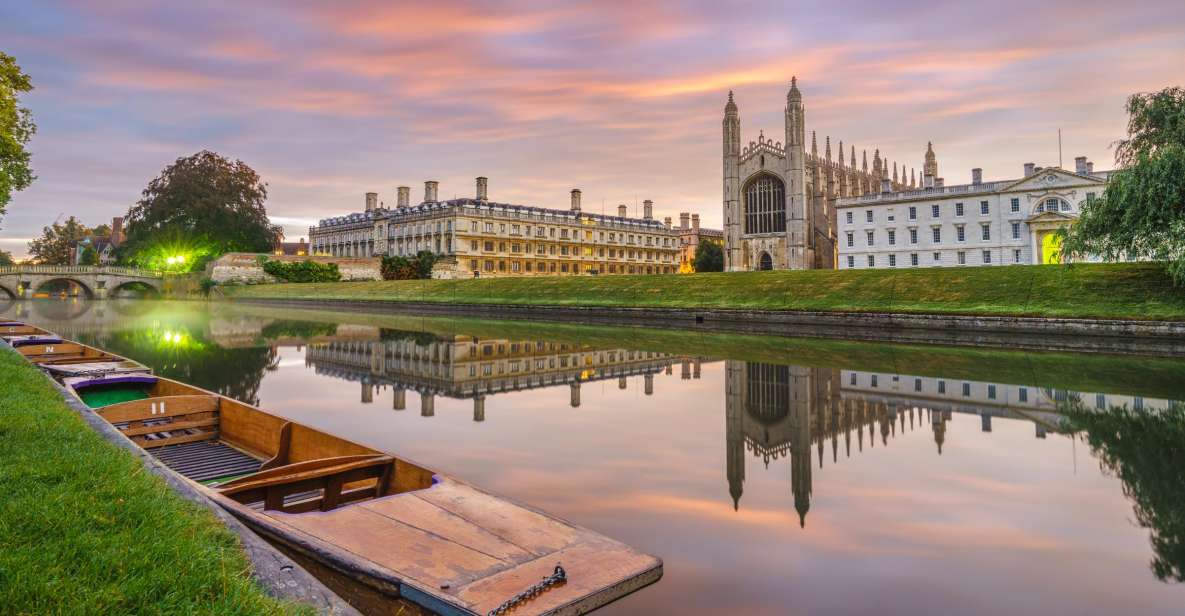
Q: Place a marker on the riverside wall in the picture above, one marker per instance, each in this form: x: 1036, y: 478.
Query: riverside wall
x: 1116, y: 336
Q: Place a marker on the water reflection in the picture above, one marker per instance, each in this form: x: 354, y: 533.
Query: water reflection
x: 621, y: 431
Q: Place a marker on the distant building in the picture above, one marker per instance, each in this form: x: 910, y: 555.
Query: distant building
x: 476, y: 237
x: 779, y: 199
x: 690, y: 236
x: 104, y: 245
x: 978, y: 224
x: 296, y: 249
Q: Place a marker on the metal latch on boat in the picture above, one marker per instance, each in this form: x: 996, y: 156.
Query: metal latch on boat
x: 558, y: 577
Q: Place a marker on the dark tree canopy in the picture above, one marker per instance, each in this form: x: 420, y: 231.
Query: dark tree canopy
x: 206, y: 201
x: 6, y: 258
x: 16, y: 128
x: 55, y: 246
x: 89, y: 256
x: 709, y: 257
x: 1141, y: 213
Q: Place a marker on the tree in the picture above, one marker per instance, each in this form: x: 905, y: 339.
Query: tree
x: 425, y: 259
x: 16, y: 128
x: 89, y: 256
x: 199, y: 207
x: 1141, y: 213
x: 1143, y: 449
x: 6, y: 258
x: 55, y: 246
x: 709, y: 257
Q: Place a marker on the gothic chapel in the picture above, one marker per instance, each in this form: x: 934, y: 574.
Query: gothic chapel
x: 779, y: 200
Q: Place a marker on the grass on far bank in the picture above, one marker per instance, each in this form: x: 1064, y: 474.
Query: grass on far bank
x: 87, y: 529
x: 1123, y: 291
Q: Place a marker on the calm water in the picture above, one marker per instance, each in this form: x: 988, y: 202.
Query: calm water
x: 773, y: 476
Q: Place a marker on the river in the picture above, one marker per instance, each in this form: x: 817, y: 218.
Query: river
x: 772, y: 475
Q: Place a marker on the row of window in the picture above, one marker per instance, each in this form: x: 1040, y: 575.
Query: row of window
x: 914, y: 260
x: 985, y: 234
x: 551, y: 267
x: 1022, y: 393
x: 936, y: 210
x: 565, y: 250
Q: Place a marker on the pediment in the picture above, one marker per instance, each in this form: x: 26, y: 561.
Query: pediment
x: 1050, y: 179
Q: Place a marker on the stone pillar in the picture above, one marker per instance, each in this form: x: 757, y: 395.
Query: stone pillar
x: 621, y: 382
x: 479, y: 408
x: 575, y: 395
x: 367, y: 393
x: 648, y: 384
x: 427, y: 405
x: 399, y: 400
x: 686, y: 372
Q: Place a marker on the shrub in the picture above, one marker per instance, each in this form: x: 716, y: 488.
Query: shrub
x: 207, y: 285
x: 303, y: 271
x: 418, y: 267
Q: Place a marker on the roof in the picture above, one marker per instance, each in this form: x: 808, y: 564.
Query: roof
x: 428, y: 207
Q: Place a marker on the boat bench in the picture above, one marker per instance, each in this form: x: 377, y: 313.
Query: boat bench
x: 165, y: 420
x: 327, y: 482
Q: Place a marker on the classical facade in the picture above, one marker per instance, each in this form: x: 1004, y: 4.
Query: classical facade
x: 779, y: 200
x: 690, y: 236
x: 477, y: 237
x: 1004, y: 222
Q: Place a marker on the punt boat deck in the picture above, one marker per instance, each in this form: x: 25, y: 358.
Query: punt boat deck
x: 386, y: 533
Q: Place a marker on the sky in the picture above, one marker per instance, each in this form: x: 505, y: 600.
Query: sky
x: 622, y: 99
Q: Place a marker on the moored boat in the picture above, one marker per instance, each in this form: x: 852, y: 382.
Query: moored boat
x: 388, y: 534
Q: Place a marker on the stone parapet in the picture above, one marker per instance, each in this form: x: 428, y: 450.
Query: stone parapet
x: 247, y: 268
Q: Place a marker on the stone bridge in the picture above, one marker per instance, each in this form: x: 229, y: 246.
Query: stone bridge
x: 96, y: 282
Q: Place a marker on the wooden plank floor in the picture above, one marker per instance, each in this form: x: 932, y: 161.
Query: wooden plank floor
x: 477, y: 550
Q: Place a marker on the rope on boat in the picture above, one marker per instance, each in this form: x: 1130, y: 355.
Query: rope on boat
x: 556, y: 578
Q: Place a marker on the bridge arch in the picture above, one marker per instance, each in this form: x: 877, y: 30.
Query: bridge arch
x: 41, y: 282
x: 133, y: 286
x: 5, y: 291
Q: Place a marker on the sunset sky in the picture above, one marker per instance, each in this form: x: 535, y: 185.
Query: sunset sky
x: 328, y: 100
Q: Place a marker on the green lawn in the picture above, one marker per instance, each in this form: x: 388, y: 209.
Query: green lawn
x: 1126, y: 291
x: 85, y: 528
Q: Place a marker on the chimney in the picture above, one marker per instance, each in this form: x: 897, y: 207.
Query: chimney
x: 683, y: 218
x: 977, y: 176
x: 372, y: 201
x: 117, y: 230
x: 1030, y: 168
x: 667, y: 221
x: 1089, y: 167
x: 575, y: 199
x: 939, y: 182
x: 695, y: 221
x: 621, y: 210
x: 648, y: 210
x: 482, y: 185
x: 928, y: 181
x: 430, y: 191
x: 886, y: 186
x: 1080, y: 165
x: 404, y: 196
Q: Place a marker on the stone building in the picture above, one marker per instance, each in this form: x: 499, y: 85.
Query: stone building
x: 1004, y: 222
x: 474, y: 237
x: 690, y: 236
x: 779, y: 200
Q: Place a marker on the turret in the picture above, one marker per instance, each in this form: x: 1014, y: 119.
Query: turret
x: 931, y: 166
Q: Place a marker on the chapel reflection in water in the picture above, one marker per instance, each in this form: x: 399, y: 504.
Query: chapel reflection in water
x: 772, y: 411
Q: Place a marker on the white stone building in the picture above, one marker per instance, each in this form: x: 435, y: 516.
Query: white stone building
x: 982, y: 223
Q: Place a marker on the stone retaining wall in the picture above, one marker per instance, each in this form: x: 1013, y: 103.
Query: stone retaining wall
x: 1160, y: 338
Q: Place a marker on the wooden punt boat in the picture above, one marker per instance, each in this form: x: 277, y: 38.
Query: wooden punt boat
x: 387, y: 534
x: 66, y: 352
x: 8, y: 329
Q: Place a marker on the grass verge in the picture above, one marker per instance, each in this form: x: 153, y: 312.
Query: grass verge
x: 87, y: 529
x: 1120, y: 291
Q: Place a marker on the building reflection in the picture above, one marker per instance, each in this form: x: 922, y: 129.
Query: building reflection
x: 466, y: 367
x: 777, y: 411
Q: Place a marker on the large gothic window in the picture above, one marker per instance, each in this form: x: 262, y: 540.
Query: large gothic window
x: 767, y: 392
x: 765, y: 205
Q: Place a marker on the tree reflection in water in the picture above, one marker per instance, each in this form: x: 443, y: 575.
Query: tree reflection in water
x: 1146, y: 450
x: 177, y: 354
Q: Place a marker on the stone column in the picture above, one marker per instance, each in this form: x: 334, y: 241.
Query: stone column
x: 479, y: 408
x: 399, y: 400
x: 574, y: 401
x: 427, y: 405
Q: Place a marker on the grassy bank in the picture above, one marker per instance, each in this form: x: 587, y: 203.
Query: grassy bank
x: 86, y: 529
x: 1125, y: 291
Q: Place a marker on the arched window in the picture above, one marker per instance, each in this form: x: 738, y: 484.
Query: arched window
x: 1053, y: 204
x: 765, y: 205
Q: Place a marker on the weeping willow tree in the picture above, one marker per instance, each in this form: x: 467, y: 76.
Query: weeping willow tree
x: 1146, y: 451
